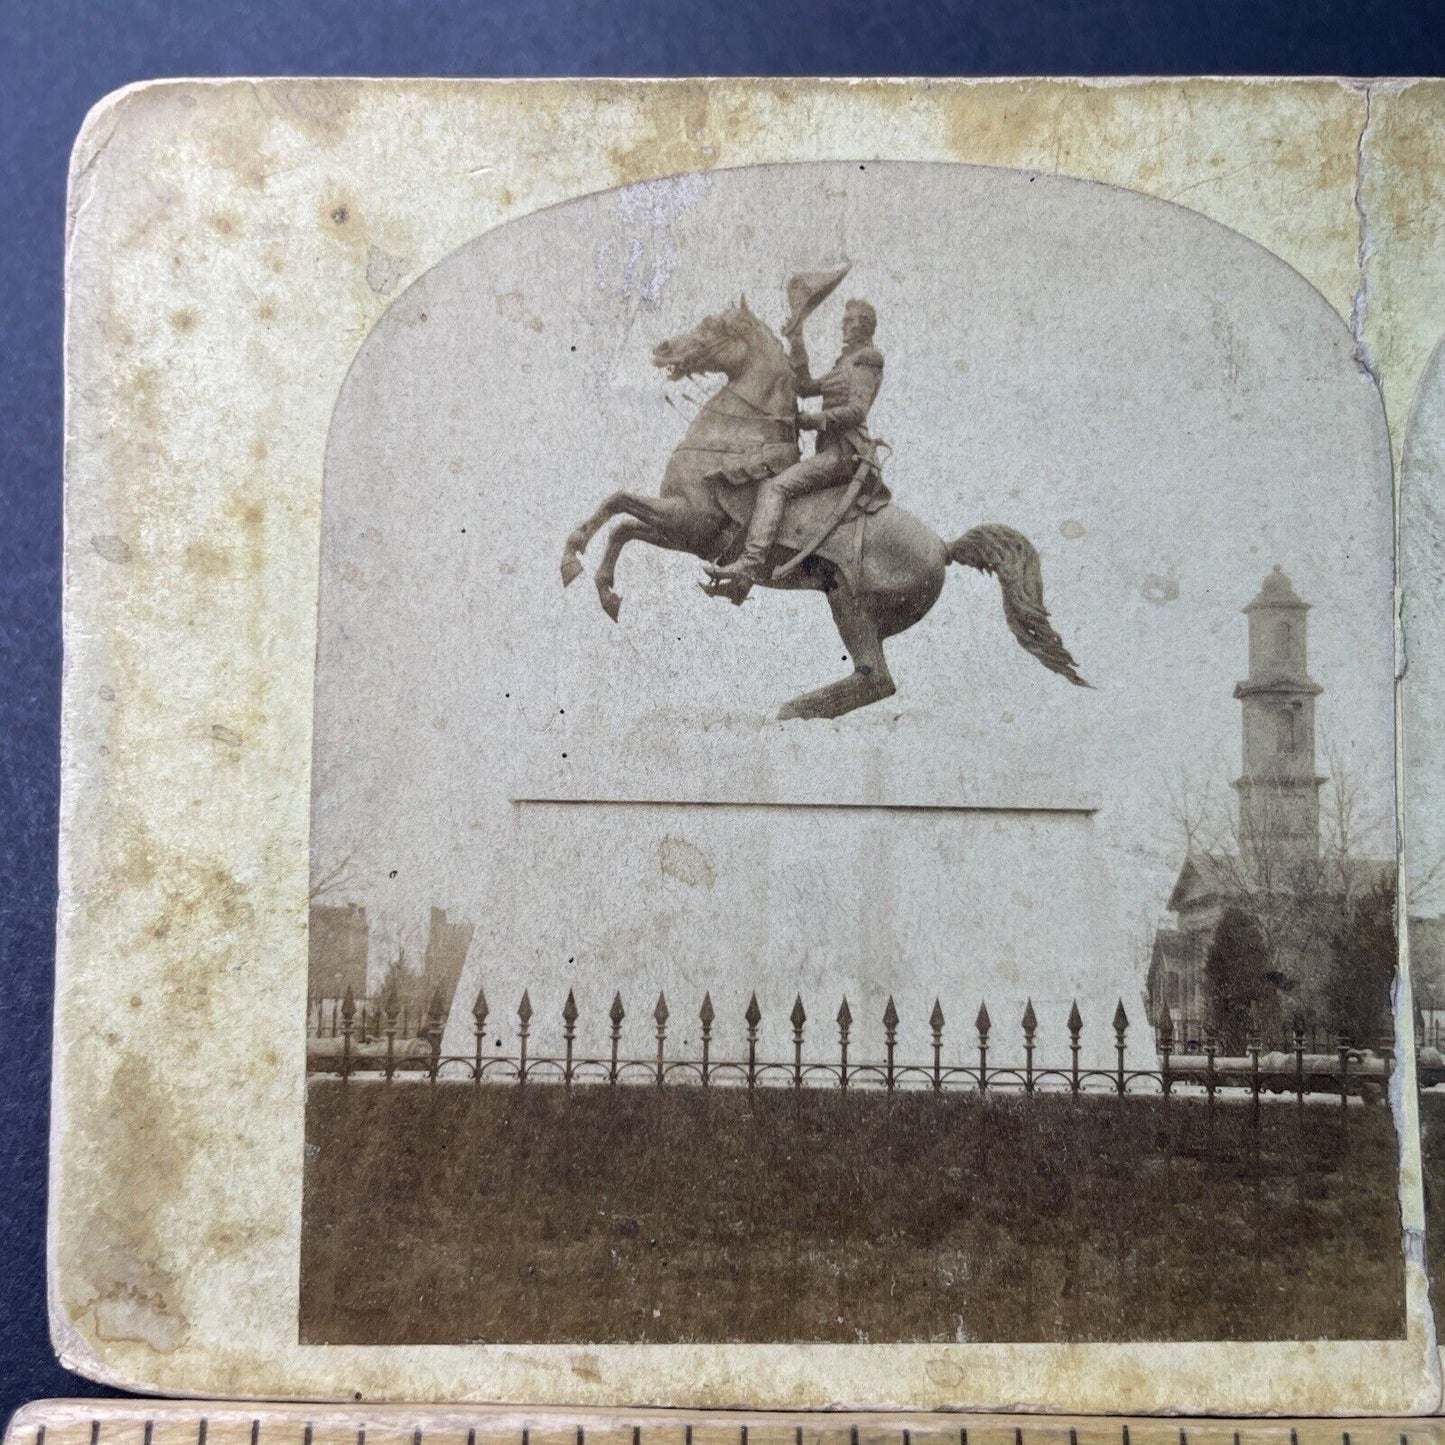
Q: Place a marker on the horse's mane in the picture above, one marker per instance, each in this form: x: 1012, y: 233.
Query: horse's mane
x: 740, y: 321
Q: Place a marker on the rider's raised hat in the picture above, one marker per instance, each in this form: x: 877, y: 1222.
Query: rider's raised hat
x: 808, y: 290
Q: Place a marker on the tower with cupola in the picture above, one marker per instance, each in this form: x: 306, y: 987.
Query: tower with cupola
x: 1279, y: 787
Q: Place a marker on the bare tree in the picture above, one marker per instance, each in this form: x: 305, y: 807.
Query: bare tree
x: 340, y: 877
x: 1249, y: 861
x: 1425, y: 886
x: 1295, y: 892
x: 398, y: 981
x: 394, y: 944
x: 1196, y: 808
x: 1349, y: 829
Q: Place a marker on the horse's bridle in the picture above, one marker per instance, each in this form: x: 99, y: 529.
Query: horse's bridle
x: 789, y: 423
x: 729, y: 389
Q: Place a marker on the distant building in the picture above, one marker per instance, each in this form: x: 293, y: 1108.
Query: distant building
x: 1275, y: 872
x: 1427, y: 963
x: 1279, y: 787
x: 1176, y: 974
x: 338, y: 946
x: 446, y: 951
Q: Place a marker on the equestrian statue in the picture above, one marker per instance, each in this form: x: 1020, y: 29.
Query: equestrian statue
x: 738, y: 494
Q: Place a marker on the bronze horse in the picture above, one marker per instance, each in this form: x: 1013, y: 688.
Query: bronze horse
x: 874, y: 590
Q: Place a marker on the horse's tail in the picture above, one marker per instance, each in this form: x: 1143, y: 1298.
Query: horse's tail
x: 1012, y: 558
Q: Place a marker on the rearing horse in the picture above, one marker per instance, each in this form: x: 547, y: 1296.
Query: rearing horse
x: 874, y: 591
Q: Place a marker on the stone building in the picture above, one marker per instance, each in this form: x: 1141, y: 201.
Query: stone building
x: 1279, y: 785
x: 446, y: 951
x: 1275, y: 869
x: 1427, y: 965
x: 338, y: 945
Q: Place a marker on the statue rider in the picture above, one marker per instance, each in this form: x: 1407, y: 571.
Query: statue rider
x: 843, y: 444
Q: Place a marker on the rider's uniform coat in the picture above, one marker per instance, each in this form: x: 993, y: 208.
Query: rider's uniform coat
x: 847, y: 393
x: 848, y: 390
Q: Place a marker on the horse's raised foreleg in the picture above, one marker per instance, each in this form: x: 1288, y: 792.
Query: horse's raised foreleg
x: 654, y: 512
x: 871, y: 680
x: 623, y: 533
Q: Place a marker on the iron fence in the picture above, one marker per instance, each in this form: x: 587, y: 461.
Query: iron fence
x: 1191, y: 1033
x: 1299, y: 1071
x: 1429, y: 1022
x: 325, y: 1017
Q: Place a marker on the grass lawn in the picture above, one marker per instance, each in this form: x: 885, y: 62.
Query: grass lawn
x: 450, y: 1214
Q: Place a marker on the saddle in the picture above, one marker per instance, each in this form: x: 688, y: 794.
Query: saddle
x: 812, y: 524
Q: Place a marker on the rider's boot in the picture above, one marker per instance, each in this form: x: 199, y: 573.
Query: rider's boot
x: 751, y: 567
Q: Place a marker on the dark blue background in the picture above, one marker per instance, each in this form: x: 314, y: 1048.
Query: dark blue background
x: 58, y: 56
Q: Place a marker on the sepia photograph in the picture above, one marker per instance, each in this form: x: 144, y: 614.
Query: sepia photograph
x: 853, y: 785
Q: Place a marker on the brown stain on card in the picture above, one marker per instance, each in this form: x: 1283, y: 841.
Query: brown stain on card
x: 678, y: 134
x: 208, y: 561
x: 112, y: 548
x: 512, y: 306
x: 276, y: 111
x: 145, y: 1132
x: 1408, y: 129
x: 322, y: 110
x: 680, y: 859
x: 126, y: 1285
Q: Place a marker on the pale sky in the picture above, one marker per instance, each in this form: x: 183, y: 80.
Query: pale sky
x: 1165, y: 409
